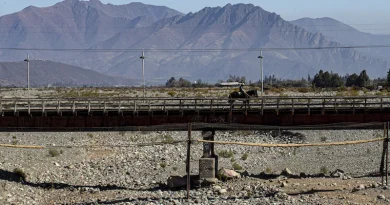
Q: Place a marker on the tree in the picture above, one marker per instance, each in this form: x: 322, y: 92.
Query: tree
x: 171, y: 83
x: 183, y: 83
x: 352, y: 80
x: 325, y: 80
x: 363, y: 79
x: 388, y: 77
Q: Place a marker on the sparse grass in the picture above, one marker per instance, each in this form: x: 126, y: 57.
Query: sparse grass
x: 244, y: 157
x: 245, y: 132
x: 324, y: 170
x: 268, y: 170
x: 163, y: 164
x: 14, y: 142
x: 54, y: 152
x: 122, y: 133
x: 90, y: 135
x: 167, y: 138
x: 236, y: 166
x: 276, y: 90
x: 232, y: 160
x: 368, y: 151
x: 226, y: 154
x: 172, y: 93
x: 342, y: 89
x: 304, y: 90
x: 21, y: 174
x: 354, y: 93
x: 174, y: 168
x: 283, y: 95
x: 323, y: 139
x: 295, y: 151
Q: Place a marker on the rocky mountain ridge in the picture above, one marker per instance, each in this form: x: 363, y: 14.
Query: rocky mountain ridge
x: 229, y: 31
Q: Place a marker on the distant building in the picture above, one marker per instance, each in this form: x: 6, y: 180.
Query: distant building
x: 229, y: 84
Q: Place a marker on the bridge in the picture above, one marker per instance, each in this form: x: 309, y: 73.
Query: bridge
x: 104, y: 114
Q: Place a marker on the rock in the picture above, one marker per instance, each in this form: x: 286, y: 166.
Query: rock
x: 176, y: 182
x: 217, y: 188
x: 337, y: 173
x: 209, y: 181
x: 284, y: 184
x: 244, y: 173
x: 381, y: 196
x: 296, y: 184
x: 358, y: 188
x: 286, y: 172
x: 228, y: 174
x: 222, y: 191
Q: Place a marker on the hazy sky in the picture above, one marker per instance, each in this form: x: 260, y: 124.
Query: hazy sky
x: 371, y: 16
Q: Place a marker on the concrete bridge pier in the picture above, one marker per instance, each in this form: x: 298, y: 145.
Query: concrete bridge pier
x: 208, y: 164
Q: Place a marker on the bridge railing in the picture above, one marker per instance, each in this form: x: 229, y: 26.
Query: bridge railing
x: 167, y: 104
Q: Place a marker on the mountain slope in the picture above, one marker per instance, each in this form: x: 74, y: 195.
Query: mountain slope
x: 346, y: 35
x: 92, y: 25
x: 43, y: 73
x: 72, y: 24
x: 230, y: 27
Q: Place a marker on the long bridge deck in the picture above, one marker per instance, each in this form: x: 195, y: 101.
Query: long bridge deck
x: 83, y: 113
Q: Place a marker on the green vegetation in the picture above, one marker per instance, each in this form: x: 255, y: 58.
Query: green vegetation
x: 324, y: 170
x: 21, y: 174
x: 236, y: 166
x: 245, y: 156
x: 163, y: 164
x: 172, y: 93
x: 268, y: 170
x: 168, y: 138
x: 226, y: 154
x: 54, y: 152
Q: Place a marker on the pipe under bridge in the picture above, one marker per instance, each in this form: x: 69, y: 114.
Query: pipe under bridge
x: 110, y: 114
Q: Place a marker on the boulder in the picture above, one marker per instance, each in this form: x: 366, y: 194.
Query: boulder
x: 358, y: 188
x: 337, y: 173
x: 228, y: 174
x: 176, y: 182
x: 381, y: 196
x: 209, y: 181
x: 222, y: 191
x: 286, y: 172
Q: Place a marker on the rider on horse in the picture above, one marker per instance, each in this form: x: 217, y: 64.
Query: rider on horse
x: 242, y: 90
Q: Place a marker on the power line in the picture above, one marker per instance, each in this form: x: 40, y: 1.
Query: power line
x: 196, y: 50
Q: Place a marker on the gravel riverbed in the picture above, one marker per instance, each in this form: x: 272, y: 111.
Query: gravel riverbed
x: 105, y: 168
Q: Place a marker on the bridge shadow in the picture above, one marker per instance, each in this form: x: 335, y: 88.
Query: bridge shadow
x: 266, y: 176
x: 312, y: 191
x: 19, y: 178
x: 181, y: 200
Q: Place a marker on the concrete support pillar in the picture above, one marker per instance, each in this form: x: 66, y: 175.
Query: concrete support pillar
x: 208, y: 164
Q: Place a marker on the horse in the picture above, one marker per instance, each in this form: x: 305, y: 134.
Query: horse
x: 251, y: 93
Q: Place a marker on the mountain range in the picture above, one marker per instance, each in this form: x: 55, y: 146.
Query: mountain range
x: 81, y: 26
x: 46, y: 73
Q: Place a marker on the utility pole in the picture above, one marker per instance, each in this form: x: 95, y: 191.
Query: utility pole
x: 143, y: 69
x: 28, y: 75
x: 262, y: 76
